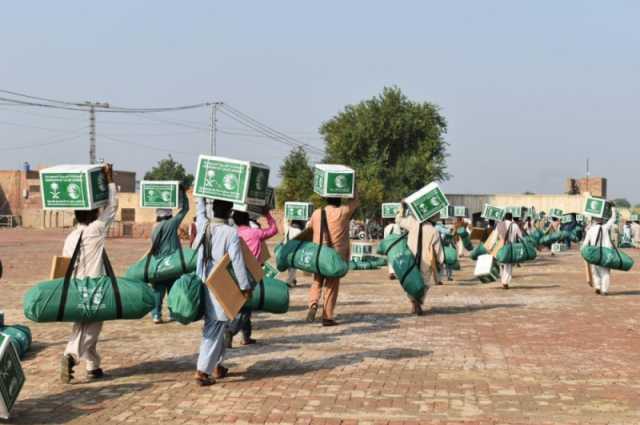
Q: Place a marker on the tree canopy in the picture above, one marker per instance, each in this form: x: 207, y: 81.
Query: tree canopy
x: 297, y: 178
x: 622, y: 203
x: 169, y: 169
x: 395, y: 145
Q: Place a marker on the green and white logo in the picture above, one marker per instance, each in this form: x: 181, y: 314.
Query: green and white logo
x: 11, y: 377
x: 428, y: 204
x: 65, y: 190
x: 221, y: 180
x: 390, y: 209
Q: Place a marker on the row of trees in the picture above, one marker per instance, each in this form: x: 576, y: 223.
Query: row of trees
x: 395, y: 145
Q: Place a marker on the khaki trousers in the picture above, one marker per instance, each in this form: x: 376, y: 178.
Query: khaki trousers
x: 83, y: 342
x: 331, y: 286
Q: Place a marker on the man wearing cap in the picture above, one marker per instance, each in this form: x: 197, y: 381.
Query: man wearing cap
x: 600, y: 233
x: 165, y: 241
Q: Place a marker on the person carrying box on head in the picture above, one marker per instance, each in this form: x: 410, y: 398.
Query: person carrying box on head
x: 254, y: 238
x: 432, y: 252
x: 508, y: 232
x: 88, y: 237
x: 599, y: 232
x: 164, y: 242
x: 220, y: 239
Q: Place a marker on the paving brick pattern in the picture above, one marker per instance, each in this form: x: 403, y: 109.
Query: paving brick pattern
x: 547, y: 351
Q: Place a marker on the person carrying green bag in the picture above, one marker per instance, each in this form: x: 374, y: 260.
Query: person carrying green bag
x: 509, y: 232
x: 424, y: 243
x: 599, y: 235
x: 165, y: 242
x: 87, y: 239
x: 447, y: 242
x: 330, y: 226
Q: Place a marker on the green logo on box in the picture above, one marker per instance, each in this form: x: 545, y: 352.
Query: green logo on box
x: 258, y: 181
x: 65, y: 190
x: 428, y: 204
x: 11, y: 374
x: 595, y: 206
x: 223, y: 180
x: 339, y: 183
x: 159, y: 195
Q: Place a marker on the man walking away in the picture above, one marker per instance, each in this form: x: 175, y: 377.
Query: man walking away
x: 601, y: 275
x: 509, y: 232
x: 432, y: 250
x: 165, y: 241
x: 337, y: 237
x: 220, y: 239
x: 91, y: 232
x: 254, y: 238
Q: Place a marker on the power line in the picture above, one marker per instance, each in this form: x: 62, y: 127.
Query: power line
x: 142, y: 145
x: 39, y: 145
x: 57, y: 130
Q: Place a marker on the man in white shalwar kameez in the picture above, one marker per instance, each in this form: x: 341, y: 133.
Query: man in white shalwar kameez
x: 508, y: 231
x: 601, y: 275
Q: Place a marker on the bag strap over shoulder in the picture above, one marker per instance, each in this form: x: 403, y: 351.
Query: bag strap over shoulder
x: 324, y: 228
x: 419, y: 247
x: 67, y: 279
x: 114, y: 283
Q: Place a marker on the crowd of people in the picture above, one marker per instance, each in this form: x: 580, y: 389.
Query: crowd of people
x: 218, y: 230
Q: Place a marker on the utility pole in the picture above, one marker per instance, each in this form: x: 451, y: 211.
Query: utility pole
x: 213, y: 126
x: 92, y: 128
x: 588, y: 175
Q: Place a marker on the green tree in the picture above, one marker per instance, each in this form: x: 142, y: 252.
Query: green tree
x: 169, y: 169
x: 297, y: 178
x: 622, y: 203
x: 395, y: 145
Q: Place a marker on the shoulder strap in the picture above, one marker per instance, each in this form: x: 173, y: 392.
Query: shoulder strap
x: 67, y: 279
x: 324, y: 228
x: 114, y: 283
x: 155, y: 245
x: 419, y: 247
x: 394, y: 243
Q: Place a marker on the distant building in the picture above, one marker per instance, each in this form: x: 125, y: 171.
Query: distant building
x: 596, y: 186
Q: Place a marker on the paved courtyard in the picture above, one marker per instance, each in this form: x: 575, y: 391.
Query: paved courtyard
x: 547, y: 351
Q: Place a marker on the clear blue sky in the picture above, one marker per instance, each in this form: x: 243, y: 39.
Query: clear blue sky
x: 530, y: 89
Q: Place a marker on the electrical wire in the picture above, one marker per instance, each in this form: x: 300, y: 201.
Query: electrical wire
x: 55, y: 130
x: 142, y: 145
x: 39, y: 145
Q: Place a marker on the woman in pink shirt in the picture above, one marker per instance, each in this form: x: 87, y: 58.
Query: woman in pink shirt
x: 254, y: 238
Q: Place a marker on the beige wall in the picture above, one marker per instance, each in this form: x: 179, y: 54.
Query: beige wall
x: 475, y: 203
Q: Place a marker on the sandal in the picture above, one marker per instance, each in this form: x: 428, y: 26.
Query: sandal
x: 220, y: 372
x: 204, y: 380
x: 311, y: 315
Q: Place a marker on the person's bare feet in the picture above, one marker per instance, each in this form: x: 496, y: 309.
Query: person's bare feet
x: 204, y: 380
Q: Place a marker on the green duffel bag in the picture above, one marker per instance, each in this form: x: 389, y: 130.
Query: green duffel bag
x: 554, y: 237
x: 72, y: 299
x: 517, y: 252
x: 408, y: 273
x: 270, y: 296
x: 186, y: 299
x: 478, y: 251
x: 20, y: 337
x: 379, y: 261
x: 451, y: 257
x: 536, y: 235
x: 463, y: 233
x: 311, y: 258
x: 362, y: 265
x: 393, y: 244
x: 154, y: 269
x: 610, y: 258
x: 468, y: 245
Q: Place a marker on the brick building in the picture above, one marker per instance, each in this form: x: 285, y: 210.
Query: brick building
x: 596, y: 186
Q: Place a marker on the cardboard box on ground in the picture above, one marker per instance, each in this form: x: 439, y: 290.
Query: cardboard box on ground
x: 11, y: 377
x: 222, y: 282
x: 75, y: 187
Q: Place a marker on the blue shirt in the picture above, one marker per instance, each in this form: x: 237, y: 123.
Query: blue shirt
x: 224, y: 240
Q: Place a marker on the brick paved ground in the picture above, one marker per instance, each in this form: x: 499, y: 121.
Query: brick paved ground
x: 547, y: 351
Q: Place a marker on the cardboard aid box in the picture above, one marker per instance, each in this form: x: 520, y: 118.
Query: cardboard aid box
x: 334, y: 181
x: 597, y: 208
x: 447, y: 212
x: 390, y: 209
x: 460, y: 211
x: 361, y: 249
x: 427, y: 202
x: 240, y: 182
x: 11, y: 377
x: 75, y: 187
x: 556, y: 213
x: 159, y: 194
x: 489, y: 212
x: 298, y: 211
x: 487, y: 269
x: 517, y: 212
x: 223, y: 284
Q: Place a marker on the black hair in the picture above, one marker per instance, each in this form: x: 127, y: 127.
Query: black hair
x: 336, y: 202
x: 159, y: 219
x: 299, y: 224
x: 508, y: 216
x: 222, y: 209
x: 241, y: 218
x: 86, y: 216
